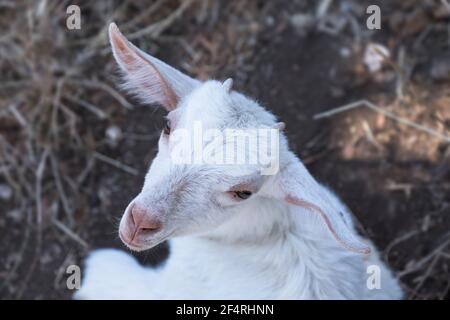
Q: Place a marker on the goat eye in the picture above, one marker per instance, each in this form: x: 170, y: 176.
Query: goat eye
x: 243, y: 194
x: 166, y: 128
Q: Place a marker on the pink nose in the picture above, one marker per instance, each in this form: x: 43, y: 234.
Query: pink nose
x: 139, y: 222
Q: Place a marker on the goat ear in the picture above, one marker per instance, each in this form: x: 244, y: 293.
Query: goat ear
x: 149, y: 78
x: 295, y: 186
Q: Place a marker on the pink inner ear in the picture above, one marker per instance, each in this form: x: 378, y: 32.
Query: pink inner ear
x: 141, y: 73
x: 356, y: 247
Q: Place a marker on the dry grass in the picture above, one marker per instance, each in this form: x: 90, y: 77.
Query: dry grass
x: 58, y: 99
x: 58, y: 96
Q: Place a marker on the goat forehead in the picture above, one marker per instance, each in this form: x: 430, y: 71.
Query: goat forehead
x: 207, y: 104
x: 181, y: 177
x: 205, y: 179
x: 215, y: 107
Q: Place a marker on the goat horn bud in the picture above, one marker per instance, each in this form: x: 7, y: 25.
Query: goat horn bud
x: 280, y: 126
x: 228, y: 84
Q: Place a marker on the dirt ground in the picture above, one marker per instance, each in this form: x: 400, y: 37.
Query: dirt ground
x: 298, y: 58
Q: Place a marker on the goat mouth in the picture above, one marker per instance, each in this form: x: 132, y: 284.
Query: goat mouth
x: 133, y: 246
x: 145, y: 245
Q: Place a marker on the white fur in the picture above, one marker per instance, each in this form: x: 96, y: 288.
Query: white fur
x: 292, y: 239
x: 297, y: 260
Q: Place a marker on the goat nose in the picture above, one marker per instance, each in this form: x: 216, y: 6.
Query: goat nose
x: 143, y: 221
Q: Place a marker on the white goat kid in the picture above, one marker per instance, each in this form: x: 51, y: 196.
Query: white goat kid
x: 235, y: 234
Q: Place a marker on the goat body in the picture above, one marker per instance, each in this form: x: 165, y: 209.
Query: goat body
x: 283, y: 255
x: 235, y: 232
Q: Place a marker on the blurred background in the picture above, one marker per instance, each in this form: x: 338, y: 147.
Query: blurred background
x: 74, y: 148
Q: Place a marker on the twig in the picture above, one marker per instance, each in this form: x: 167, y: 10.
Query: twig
x: 425, y: 276
x: 322, y: 8
x: 370, y: 105
x: 105, y: 87
x: 89, y: 106
x: 116, y: 163
x: 447, y: 6
x: 38, y: 194
x: 59, y: 186
x: 10, y: 154
x: 402, y: 74
x: 401, y: 78
x: 369, y: 134
x: 19, y: 117
x: 445, y: 291
x: 21, y: 251
x: 143, y: 15
x: 419, y: 264
x: 70, y: 233
x: 82, y: 176
x: 397, y: 241
x: 157, y: 28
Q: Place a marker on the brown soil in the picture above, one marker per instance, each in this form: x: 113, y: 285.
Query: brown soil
x: 394, y: 178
